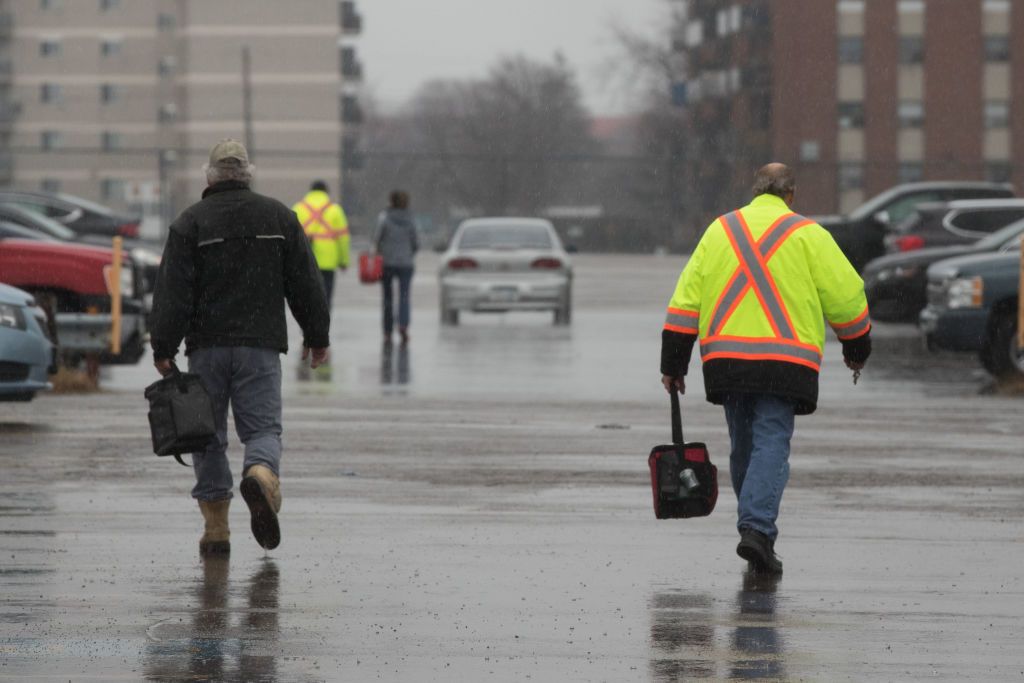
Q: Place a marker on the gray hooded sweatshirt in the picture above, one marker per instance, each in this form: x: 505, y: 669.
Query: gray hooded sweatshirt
x: 395, y: 237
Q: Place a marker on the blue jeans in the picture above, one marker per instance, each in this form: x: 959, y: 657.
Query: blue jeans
x: 760, y: 429
x: 250, y: 380
x: 404, y: 275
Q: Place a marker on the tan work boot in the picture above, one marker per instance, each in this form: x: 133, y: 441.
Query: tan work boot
x: 216, y: 538
x: 262, y: 493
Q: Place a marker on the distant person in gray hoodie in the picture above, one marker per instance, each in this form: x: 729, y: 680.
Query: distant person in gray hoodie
x: 395, y: 240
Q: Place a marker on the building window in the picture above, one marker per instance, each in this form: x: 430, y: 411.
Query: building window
x: 168, y: 112
x: 167, y: 65
x: 996, y: 6
x: 810, y: 150
x: 110, y: 47
x: 109, y: 93
x: 851, y: 115
x: 111, y: 141
x: 911, y: 6
x: 851, y: 6
x: 50, y: 185
x: 50, y: 139
x: 911, y: 49
x: 107, y: 5
x: 910, y: 172
x: 49, y: 47
x: 50, y: 93
x: 851, y: 50
x: 997, y: 114
x: 112, y: 189
x: 999, y: 171
x: 911, y: 114
x: 851, y: 176
x: 997, y: 48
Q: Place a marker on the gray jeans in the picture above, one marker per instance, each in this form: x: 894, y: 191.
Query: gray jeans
x: 250, y: 380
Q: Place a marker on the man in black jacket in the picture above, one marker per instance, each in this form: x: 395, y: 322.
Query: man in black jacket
x: 230, y: 263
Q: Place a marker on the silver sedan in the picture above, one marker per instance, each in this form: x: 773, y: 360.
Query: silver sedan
x: 505, y: 264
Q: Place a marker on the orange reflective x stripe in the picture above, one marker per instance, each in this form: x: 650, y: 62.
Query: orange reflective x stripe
x: 752, y: 272
x: 317, y: 216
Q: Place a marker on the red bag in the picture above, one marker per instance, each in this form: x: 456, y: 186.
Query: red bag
x: 371, y: 267
x: 683, y: 480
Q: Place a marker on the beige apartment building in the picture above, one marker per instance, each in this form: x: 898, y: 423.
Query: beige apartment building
x: 119, y: 100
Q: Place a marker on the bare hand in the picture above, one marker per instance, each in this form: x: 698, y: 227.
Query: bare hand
x: 853, y: 366
x: 677, y: 383
x: 163, y: 366
x: 319, y: 356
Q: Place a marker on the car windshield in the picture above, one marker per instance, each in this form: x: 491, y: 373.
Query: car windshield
x: 86, y: 204
x: 38, y: 222
x: 506, y: 236
x: 1001, y: 236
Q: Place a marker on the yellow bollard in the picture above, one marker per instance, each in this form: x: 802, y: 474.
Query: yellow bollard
x: 115, y: 299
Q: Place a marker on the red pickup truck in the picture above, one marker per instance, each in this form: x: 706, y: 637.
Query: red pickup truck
x: 73, y: 280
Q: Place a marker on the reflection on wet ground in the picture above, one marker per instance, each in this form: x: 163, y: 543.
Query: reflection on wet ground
x: 695, y: 637
x: 224, y: 639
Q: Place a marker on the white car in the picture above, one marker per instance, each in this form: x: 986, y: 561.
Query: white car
x: 505, y: 264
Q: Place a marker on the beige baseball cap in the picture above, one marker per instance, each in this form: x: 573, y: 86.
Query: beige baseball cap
x: 229, y: 149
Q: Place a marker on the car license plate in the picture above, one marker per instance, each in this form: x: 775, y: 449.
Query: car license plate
x: 504, y: 294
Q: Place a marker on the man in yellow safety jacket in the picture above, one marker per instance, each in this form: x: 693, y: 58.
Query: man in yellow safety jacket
x: 327, y: 230
x: 756, y: 292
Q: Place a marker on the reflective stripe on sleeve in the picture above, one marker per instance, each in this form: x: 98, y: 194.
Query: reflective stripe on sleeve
x: 761, y: 349
x: 679, y: 320
x: 857, y: 327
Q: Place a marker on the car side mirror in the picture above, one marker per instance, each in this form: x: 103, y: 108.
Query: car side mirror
x: 882, y: 218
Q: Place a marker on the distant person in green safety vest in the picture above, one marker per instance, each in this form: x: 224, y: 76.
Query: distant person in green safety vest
x: 326, y: 228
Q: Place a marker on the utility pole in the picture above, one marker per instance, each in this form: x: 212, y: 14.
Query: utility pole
x: 247, y: 99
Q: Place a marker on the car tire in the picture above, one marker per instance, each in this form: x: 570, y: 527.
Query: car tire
x: 563, y: 314
x: 449, y: 316
x: 1002, y: 356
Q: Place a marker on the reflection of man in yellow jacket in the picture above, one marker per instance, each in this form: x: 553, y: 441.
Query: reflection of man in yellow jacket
x: 755, y: 295
x: 327, y: 230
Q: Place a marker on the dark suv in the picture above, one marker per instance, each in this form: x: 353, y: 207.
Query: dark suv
x: 861, y: 234
x: 940, y: 224
x: 972, y: 306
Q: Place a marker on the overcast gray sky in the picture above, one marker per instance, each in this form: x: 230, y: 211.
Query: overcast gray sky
x: 407, y: 42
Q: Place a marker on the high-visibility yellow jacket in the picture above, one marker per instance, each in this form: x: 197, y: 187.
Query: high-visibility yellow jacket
x: 757, y: 292
x: 326, y: 228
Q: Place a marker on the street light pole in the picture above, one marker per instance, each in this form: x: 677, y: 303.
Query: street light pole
x: 247, y: 99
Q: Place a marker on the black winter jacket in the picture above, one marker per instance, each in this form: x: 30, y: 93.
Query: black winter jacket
x: 230, y: 263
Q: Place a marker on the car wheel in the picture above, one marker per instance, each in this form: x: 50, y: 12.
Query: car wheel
x: 1002, y: 356
x: 449, y: 316
x: 563, y: 314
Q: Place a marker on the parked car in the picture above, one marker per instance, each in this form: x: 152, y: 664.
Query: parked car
x: 505, y: 264
x: 936, y: 224
x: 78, y: 214
x: 972, y: 306
x: 73, y: 281
x: 27, y: 354
x: 143, y: 254
x: 896, y: 284
x: 861, y: 234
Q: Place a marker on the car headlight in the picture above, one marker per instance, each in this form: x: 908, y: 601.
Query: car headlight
x: 965, y: 292
x: 127, y: 279
x: 146, y: 258
x: 11, y: 316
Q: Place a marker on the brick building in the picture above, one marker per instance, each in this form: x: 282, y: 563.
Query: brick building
x: 119, y: 100
x: 857, y: 95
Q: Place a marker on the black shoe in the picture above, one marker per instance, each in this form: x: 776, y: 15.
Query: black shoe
x: 759, y: 551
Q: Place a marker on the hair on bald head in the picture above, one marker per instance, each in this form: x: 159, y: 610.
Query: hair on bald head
x: 775, y: 178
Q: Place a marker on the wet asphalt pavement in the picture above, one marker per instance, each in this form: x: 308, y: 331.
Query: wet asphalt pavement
x: 477, y: 507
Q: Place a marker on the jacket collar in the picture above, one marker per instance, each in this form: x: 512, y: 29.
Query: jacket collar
x: 769, y: 200
x: 224, y: 186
